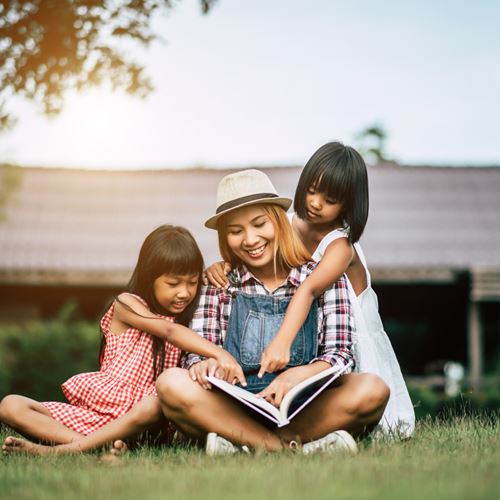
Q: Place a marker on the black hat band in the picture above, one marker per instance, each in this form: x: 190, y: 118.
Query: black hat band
x: 244, y: 199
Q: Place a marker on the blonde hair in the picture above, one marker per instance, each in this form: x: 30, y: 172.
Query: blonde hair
x: 289, y: 251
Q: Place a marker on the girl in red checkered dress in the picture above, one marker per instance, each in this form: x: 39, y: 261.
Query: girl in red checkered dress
x: 144, y: 333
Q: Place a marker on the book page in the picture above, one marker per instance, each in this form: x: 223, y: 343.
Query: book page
x: 313, y: 385
x: 258, y: 404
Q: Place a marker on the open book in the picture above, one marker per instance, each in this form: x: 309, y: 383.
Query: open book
x: 294, y: 401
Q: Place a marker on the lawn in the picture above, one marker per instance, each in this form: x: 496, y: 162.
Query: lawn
x: 454, y: 459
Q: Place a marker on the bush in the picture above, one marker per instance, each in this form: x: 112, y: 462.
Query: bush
x: 37, y: 357
x: 436, y: 404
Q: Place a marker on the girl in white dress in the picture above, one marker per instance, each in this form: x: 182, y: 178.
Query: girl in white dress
x: 373, y: 349
x: 331, y: 210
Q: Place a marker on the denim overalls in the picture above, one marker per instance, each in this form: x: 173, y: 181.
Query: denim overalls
x: 253, y: 322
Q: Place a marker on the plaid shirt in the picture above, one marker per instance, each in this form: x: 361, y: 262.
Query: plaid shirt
x: 335, y: 318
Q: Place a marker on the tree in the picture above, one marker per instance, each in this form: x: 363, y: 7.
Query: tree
x: 50, y: 46
x: 371, y: 143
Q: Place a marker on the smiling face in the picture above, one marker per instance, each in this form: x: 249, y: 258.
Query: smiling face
x: 321, y: 209
x: 251, y: 235
x: 175, y: 292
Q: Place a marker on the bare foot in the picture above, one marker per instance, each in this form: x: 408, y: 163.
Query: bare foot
x: 18, y: 445
x: 114, y: 457
x: 119, y: 448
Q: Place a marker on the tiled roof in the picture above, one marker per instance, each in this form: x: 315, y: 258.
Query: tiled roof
x: 84, y: 221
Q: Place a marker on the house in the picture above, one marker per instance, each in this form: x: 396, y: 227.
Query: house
x: 432, y: 244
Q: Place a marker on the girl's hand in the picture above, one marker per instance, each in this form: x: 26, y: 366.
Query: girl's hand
x: 216, y: 274
x: 232, y: 371
x: 275, y: 357
x: 199, y: 372
x: 278, y: 388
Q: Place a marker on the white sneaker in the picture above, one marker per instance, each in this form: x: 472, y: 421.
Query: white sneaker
x: 333, y: 443
x: 217, y: 445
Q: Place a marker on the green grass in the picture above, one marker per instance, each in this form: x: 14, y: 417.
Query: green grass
x: 454, y: 459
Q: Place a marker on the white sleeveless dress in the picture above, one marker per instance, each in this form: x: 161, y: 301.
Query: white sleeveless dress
x: 373, y: 350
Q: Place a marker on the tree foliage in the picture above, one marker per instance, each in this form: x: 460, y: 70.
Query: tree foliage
x: 50, y: 46
x: 371, y: 143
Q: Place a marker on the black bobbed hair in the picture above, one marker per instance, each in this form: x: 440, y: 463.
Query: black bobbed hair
x: 339, y: 172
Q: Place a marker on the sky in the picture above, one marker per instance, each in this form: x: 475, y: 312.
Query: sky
x: 266, y: 82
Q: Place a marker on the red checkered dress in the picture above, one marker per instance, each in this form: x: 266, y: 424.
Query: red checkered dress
x: 126, y: 376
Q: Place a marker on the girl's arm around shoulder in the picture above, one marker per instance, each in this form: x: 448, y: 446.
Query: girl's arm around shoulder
x: 216, y: 274
x: 334, y: 263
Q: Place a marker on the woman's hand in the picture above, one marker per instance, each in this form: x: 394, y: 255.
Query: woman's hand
x: 199, y: 372
x: 216, y: 274
x: 275, y: 357
x: 224, y: 366
x: 278, y: 388
x: 231, y: 370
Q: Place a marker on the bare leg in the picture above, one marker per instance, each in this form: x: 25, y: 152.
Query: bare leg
x: 31, y: 419
x: 356, y: 404
x: 197, y: 411
x: 145, y: 414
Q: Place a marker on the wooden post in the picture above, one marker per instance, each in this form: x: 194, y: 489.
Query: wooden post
x: 475, y: 346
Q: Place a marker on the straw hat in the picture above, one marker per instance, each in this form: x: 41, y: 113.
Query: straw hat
x: 243, y: 188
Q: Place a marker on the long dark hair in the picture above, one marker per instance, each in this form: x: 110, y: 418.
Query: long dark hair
x: 167, y: 250
x: 339, y: 172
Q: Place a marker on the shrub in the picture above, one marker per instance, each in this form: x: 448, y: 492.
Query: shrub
x: 37, y: 357
x: 436, y: 404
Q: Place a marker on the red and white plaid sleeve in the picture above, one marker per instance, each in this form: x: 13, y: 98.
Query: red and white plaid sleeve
x: 338, y: 326
x: 206, y: 321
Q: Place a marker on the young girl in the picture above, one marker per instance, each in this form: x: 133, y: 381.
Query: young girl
x: 140, y: 340
x: 331, y: 205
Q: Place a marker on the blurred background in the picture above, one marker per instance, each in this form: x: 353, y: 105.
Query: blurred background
x: 118, y: 116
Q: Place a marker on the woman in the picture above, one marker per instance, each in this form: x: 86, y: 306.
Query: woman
x: 269, y: 264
